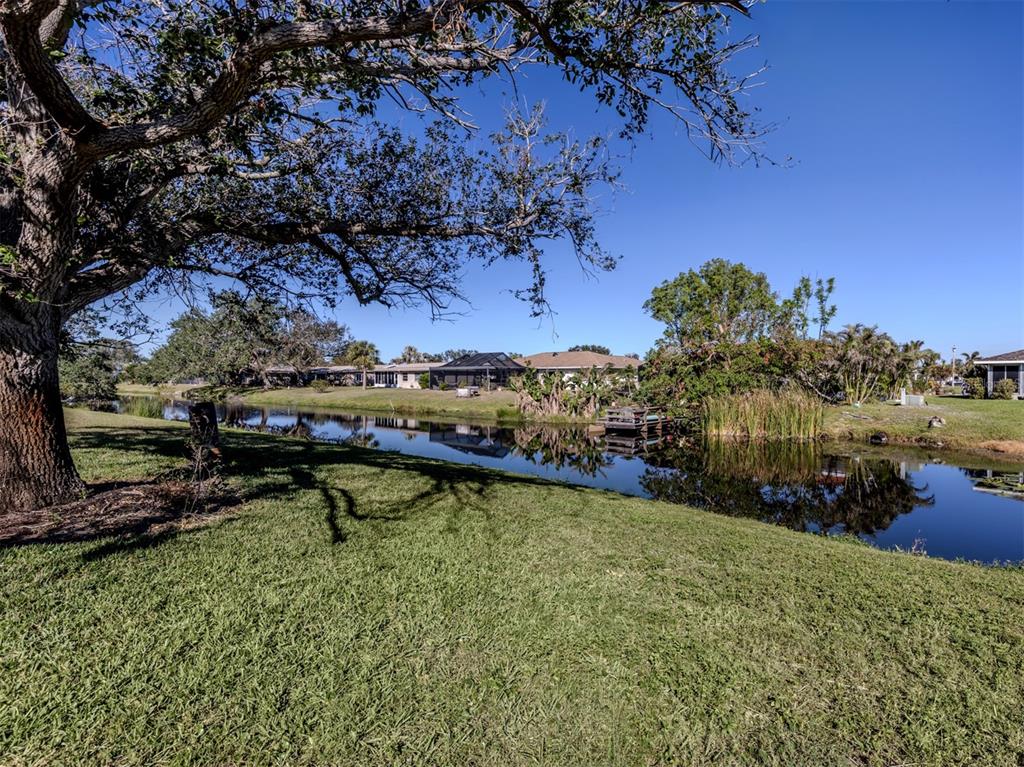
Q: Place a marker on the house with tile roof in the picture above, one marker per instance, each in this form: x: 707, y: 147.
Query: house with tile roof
x: 570, y: 363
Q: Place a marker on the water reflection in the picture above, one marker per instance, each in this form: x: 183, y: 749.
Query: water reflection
x: 568, y: 448
x: 883, y: 498
x: 790, y: 484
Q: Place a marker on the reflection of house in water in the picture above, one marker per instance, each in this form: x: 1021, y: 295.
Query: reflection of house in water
x: 410, y: 427
x: 907, y: 467
x: 1006, y: 483
x: 832, y: 477
x: 476, y: 440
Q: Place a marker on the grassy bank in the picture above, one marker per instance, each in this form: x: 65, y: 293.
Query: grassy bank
x: 971, y: 424
x: 495, y: 405
x: 489, y: 406
x: 161, y: 390
x: 371, y: 608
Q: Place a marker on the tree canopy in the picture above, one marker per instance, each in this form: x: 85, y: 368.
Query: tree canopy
x: 145, y: 145
x: 596, y: 348
x: 243, y: 334
x: 727, y: 331
x: 453, y: 354
x: 240, y: 140
x: 723, y: 303
x: 363, y: 355
x: 412, y: 354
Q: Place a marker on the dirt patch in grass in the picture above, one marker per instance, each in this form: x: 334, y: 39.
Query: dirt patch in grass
x: 1005, y: 446
x: 142, y: 508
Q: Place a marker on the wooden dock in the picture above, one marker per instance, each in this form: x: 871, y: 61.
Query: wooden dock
x: 640, y: 420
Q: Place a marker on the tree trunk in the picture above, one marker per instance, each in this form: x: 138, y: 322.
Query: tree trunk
x: 205, y: 439
x: 364, y: 378
x: 36, y: 469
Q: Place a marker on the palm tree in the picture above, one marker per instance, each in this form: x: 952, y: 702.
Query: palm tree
x: 969, y: 363
x: 865, y: 359
x: 363, y: 355
x: 905, y: 364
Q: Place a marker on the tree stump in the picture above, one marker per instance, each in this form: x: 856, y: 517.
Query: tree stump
x: 205, y: 438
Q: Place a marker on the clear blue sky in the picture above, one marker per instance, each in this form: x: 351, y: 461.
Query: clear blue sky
x: 904, y: 124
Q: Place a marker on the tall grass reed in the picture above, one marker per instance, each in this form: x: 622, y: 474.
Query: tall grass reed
x: 144, y: 407
x: 762, y: 414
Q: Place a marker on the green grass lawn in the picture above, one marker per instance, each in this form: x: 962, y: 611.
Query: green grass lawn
x: 495, y: 405
x: 162, y: 390
x: 368, y: 608
x: 970, y: 423
x: 490, y: 406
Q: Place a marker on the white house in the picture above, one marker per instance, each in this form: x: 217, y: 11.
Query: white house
x: 1009, y: 365
x: 401, y: 375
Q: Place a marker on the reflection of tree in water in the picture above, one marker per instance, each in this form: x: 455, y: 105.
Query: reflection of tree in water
x: 560, y: 447
x: 299, y: 429
x: 237, y: 416
x: 362, y: 439
x: 360, y: 436
x: 790, y: 484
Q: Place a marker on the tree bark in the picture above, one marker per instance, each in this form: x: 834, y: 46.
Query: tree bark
x: 202, y: 420
x: 36, y: 469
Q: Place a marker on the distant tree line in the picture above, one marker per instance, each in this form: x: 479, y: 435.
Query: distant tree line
x: 237, y: 338
x: 242, y: 335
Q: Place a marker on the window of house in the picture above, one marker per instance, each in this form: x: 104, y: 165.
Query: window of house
x: 405, y: 376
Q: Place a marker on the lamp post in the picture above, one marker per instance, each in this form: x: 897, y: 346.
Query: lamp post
x: 953, y: 377
x: 487, y: 372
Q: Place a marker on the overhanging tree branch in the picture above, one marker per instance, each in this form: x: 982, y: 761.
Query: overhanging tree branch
x: 243, y: 67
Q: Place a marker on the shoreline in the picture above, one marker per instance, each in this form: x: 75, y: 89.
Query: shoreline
x: 494, y: 407
x: 985, y: 428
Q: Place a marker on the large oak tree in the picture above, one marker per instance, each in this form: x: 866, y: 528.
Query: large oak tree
x: 143, y: 143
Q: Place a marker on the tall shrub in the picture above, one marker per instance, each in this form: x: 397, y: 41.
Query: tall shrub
x: 1005, y: 388
x: 975, y: 388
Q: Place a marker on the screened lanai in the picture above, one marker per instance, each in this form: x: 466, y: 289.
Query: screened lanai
x: 488, y: 370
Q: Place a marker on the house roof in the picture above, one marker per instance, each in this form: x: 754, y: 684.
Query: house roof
x: 577, y: 360
x: 334, y: 369
x: 408, y: 367
x: 1017, y: 356
x: 493, y: 360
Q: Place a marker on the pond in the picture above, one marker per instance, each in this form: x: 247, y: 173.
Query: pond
x: 889, y: 498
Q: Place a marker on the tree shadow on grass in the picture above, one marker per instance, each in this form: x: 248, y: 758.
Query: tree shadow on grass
x: 259, y: 466
x: 136, y: 514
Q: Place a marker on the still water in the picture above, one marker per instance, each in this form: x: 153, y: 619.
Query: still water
x: 891, y: 499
